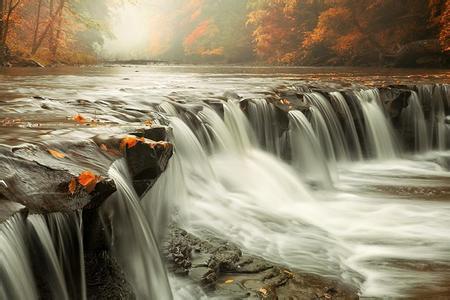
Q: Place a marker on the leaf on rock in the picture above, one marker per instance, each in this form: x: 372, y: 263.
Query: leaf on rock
x: 72, y: 185
x: 129, y: 142
x: 104, y: 147
x: 229, y: 281
x: 86, y: 178
x: 89, y: 180
x: 79, y: 119
x: 56, y: 154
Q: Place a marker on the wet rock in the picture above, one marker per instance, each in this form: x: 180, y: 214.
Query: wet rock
x: 231, y: 274
x: 394, y: 100
x: 105, y: 279
x: 34, y: 177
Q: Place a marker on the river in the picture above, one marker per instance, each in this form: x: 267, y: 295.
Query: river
x: 377, y: 218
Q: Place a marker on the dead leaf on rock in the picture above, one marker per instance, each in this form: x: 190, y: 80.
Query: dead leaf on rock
x: 129, y: 142
x: 229, y: 281
x: 89, y: 180
x: 56, y: 154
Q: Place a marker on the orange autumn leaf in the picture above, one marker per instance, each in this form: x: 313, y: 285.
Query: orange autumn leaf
x: 72, y: 185
x: 79, y: 119
x: 130, y: 142
x: 86, y: 178
x: 56, y: 154
x: 89, y: 180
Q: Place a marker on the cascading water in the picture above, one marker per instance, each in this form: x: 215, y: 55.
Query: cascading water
x: 324, y: 112
x: 47, y: 251
x: 307, y: 155
x: 342, y: 108
x: 66, y: 233
x: 378, y: 130
x: 16, y: 276
x: 261, y: 115
x: 432, y: 98
x: 133, y: 239
x: 254, y: 199
x: 413, y: 118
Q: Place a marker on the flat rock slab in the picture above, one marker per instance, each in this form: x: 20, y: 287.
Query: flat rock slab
x: 39, y: 176
x: 225, y: 272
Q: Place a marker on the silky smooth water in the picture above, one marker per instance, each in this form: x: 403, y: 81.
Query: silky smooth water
x: 333, y: 195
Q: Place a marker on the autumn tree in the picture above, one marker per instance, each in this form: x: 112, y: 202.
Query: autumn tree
x: 7, y: 10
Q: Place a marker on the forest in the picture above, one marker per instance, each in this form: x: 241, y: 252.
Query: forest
x: 279, y: 32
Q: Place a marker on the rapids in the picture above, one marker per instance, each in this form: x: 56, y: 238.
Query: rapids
x: 334, y: 193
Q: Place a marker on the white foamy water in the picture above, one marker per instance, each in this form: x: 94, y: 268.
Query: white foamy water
x: 389, y: 245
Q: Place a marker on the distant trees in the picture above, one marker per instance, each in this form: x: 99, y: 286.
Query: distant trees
x: 305, y: 32
x: 51, y: 30
x: 343, y: 31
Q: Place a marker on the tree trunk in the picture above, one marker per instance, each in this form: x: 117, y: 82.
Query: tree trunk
x: 51, y: 39
x: 58, y: 34
x: 36, y: 28
x: 47, y: 28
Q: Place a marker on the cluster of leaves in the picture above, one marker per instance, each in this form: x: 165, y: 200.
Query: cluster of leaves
x: 343, y: 31
x: 301, y: 31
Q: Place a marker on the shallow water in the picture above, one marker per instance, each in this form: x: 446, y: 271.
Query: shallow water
x: 383, y: 224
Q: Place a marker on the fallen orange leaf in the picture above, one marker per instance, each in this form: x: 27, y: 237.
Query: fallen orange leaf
x: 229, y: 281
x: 89, y: 180
x: 130, y: 142
x: 56, y: 154
x: 86, y: 178
x: 79, y: 119
x: 72, y: 185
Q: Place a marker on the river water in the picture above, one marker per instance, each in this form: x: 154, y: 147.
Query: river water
x: 379, y: 221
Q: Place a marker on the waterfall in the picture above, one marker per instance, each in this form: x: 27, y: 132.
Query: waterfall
x: 341, y: 106
x: 307, y: 155
x: 413, y: 118
x: 133, y: 240
x: 262, y: 116
x: 323, y: 112
x: 378, y: 130
x: 16, y: 276
x: 323, y: 134
x: 431, y: 97
x: 238, y: 125
x: 52, y: 267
